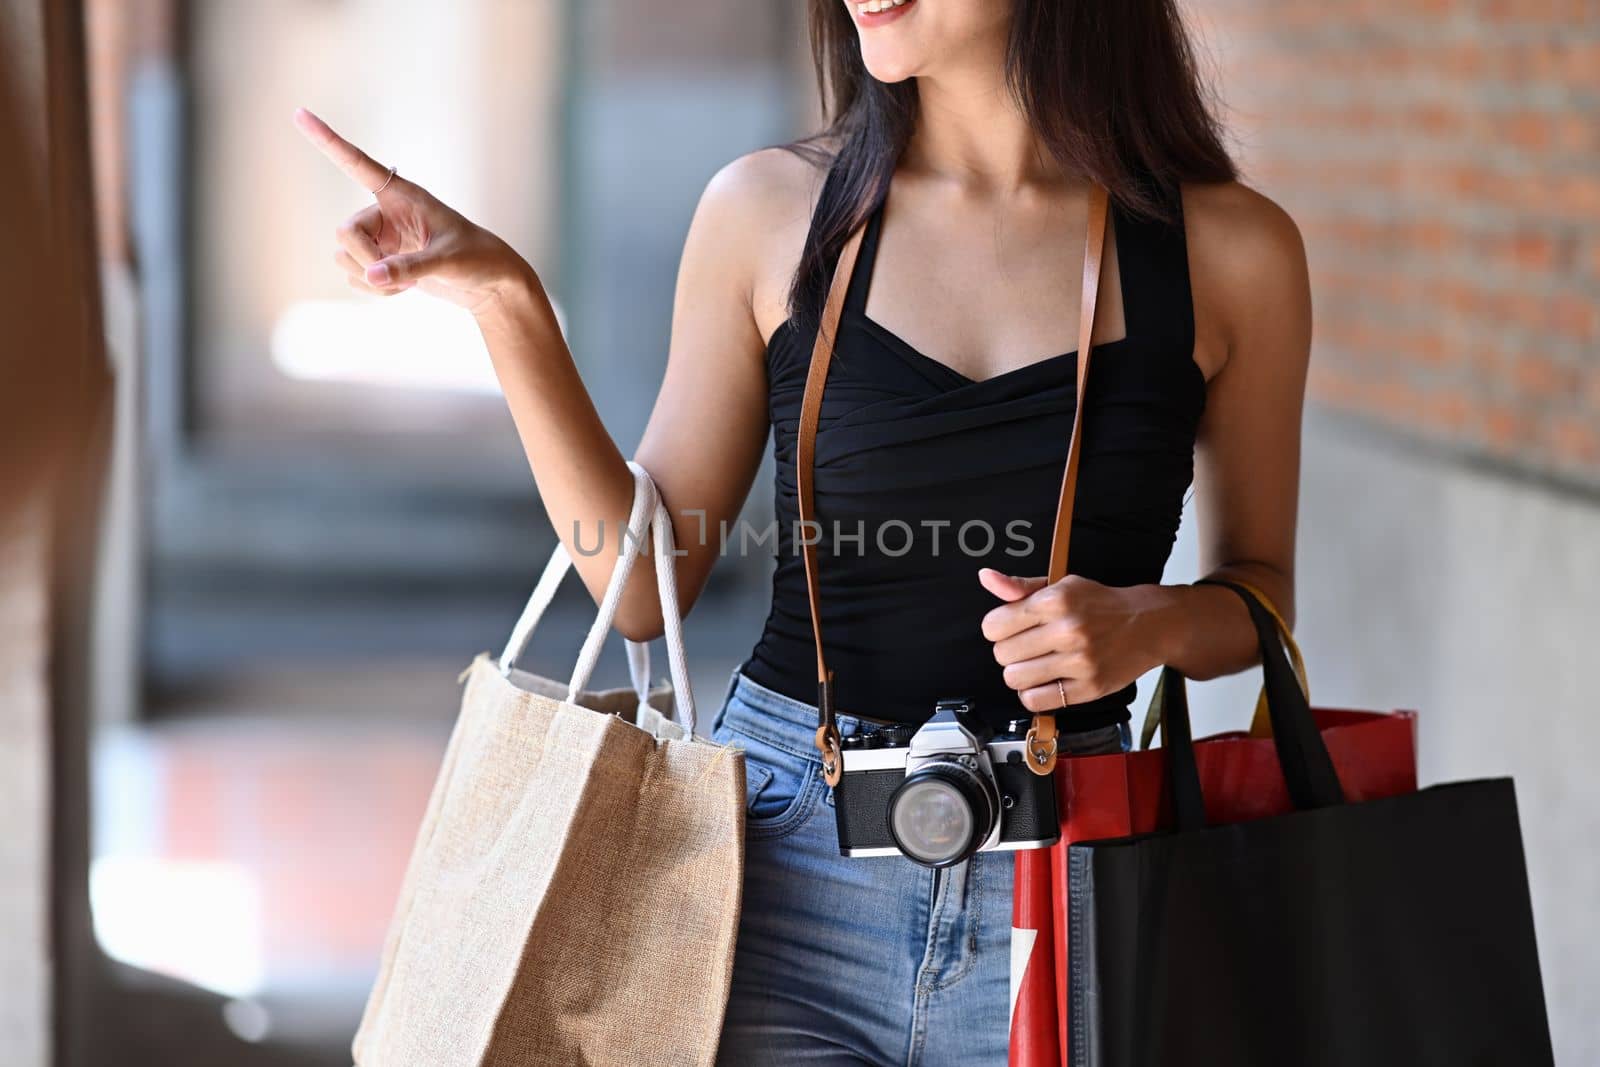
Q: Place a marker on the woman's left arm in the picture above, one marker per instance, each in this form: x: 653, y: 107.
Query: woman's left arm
x: 1252, y: 299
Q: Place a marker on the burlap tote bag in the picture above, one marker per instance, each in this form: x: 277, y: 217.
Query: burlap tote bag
x: 573, y: 893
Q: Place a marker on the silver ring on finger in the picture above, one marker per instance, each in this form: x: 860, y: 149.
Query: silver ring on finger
x: 386, y: 182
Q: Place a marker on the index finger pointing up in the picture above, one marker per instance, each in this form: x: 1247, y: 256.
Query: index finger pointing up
x: 362, y: 168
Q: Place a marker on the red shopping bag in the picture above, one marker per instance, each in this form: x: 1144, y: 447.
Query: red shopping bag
x: 1374, y: 754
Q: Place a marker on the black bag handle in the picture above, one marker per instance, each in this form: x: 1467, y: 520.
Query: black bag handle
x: 1302, y: 754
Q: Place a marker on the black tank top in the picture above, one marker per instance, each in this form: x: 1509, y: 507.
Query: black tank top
x: 921, y: 461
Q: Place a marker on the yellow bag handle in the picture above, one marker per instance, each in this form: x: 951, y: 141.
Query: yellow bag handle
x: 1261, y: 722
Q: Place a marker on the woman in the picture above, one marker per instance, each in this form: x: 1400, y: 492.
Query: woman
x: 964, y: 135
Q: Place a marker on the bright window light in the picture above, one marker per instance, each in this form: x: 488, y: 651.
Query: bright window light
x: 411, y: 341
x: 199, y: 922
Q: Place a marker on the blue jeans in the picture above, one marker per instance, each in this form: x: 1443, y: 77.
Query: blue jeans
x: 857, y: 961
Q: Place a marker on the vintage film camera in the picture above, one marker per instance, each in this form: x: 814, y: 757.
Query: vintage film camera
x: 941, y: 792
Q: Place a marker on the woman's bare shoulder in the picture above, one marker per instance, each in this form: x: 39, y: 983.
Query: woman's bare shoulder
x: 1240, y: 231
x: 759, y: 207
x: 777, y: 180
x: 1246, y: 256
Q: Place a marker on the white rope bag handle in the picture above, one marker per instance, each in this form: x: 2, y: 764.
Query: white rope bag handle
x: 648, y: 523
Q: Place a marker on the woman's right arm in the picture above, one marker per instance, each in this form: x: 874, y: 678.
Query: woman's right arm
x: 708, y: 428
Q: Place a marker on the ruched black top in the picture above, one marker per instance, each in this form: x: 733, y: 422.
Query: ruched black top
x: 940, y: 475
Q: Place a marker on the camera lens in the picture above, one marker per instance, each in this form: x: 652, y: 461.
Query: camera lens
x: 942, y: 812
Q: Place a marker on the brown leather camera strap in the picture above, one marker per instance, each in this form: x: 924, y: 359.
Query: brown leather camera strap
x: 1042, y: 735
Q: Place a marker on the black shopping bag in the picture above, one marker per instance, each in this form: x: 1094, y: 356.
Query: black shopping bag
x: 1390, y: 932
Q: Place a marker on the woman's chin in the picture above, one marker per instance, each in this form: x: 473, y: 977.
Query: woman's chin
x: 889, y: 69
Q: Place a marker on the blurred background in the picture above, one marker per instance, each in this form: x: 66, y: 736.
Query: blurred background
x: 230, y: 651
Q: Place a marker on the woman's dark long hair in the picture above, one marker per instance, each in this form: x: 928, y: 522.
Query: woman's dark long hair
x: 1111, y: 87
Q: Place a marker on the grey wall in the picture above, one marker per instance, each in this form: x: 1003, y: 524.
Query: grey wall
x: 1474, y: 598
x: 24, y: 798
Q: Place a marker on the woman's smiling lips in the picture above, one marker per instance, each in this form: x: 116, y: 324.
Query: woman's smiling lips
x: 880, y: 12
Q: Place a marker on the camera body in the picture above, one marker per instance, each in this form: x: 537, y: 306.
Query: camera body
x: 939, y: 793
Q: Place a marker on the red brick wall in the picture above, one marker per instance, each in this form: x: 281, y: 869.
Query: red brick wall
x: 1443, y: 163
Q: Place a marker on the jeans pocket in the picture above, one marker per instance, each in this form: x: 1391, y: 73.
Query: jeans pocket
x: 761, y: 800
x: 780, y: 786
